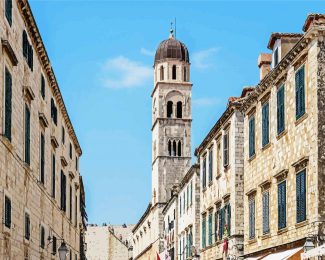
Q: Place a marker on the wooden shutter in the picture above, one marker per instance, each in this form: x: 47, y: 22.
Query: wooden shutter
x: 216, y: 217
x: 42, y: 237
x: 27, y: 134
x: 220, y: 224
x: 70, y: 205
x: 300, y: 92
x: 42, y: 86
x: 265, y: 124
x: 210, y: 229
x: 266, y: 225
x: 42, y: 158
x: 7, y: 212
x: 63, y: 192
x: 204, y: 231
x: 54, y: 246
x: 27, y: 226
x: 204, y: 173
x: 301, y: 196
x: 8, y: 103
x: 282, y: 205
x: 53, y: 175
x: 8, y: 7
x: 30, y: 56
x: 229, y: 218
x: 280, y: 110
x: 252, y: 218
x: 210, y: 164
x: 251, y: 136
x: 226, y: 149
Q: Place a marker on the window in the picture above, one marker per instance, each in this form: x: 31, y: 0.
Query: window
x: 252, y: 218
x: 77, y: 162
x: 221, y: 222
x: 282, y: 205
x: 63, y: 191
x: 8, y: 104
x: 265, y: 124
x: 184, y: 202
x: 70, y: 151
x: 228, y: 218
x: 216, y: 223
x: 190, y: 242
x: 204, y: 231
x: 174, y: 148
x: 191, y: 193
x: 27, y: 50
x: 218, y: 158
x: 169, y: 148
x: 179, y: 109
x: 300, y: 92
x: 42, y: 161
x: 42, y: 237
x: 174, y: 72
x: 266, y: 212
x: 187, y: 196
x: 169, y: 109
x: 7, y: 212
x: 276, y: 57
x: 180, y: 205
x: 54, y: 246
x: 179, y: 148
x: 161, y: 72
x: 301, y: 196
x: 63, y: 135
x: 210, y: 164
x: 185, y: 74
x: 226, y: 149
x: 210, y: 228
x: 70, y: 204
x: 27, y: 226
x: 27, y: 135
x: 76, y: 210
x: 53, y: 175
x: 251, y: 136
x: 54, y: 112
x: 204, y: 173
x: 42, y: 87
x: 280, y: 110
x: 8, y: 11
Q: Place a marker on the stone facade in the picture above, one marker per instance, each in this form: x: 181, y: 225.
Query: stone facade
x: 171, y: 141
x: 295, y: 149
x: 221, y: 197
x: 30, y: 195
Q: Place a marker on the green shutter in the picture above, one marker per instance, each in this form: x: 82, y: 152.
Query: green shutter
x: 8, y: 11
x: 300, y: 92
x: 265, y: 124
x: 301, y: 196
x: 8, y: 103
x: 7, y: 212
x: 27, y: 135
x: 42, y: 158
x: 251, y: 136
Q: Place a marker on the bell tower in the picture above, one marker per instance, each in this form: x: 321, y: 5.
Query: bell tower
x: 171, y: 117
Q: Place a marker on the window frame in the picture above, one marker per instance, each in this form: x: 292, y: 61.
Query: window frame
x: 265, y: 123
x: 252, y: 218
x: 281, y: 110
x: 6, y: 12
x: 300, y: 111
x: 266, y: 212
x: 282, y: 225
x: 251, y: 136
x: 301, y: 216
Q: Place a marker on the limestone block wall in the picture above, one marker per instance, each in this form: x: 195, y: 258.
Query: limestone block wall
x: 297, y: 143
x: 171, y: 226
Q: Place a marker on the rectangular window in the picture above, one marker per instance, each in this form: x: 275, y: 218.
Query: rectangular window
x: 221, y: 222
x: 226, y: 149
x: 251, y: 136
x: 300, y: 92
x: 70, y: 205
x: 204, y: 174
x: 218, y: 158
x: 266, y: 212
x: 228, y: 218
x: 76, y: 210
x: 301, y: 196
x: 63, y: 135
x: 27, y: 135
x: 27, y: 50
x: 216, y: 218
x: 282, y: 208
x: 42, y: 87
x: 53, y: 175
x: 7, y: 212
x: 210, y: 228
x: 280, y: 110
x: 77, y: 163
x: 42, y: 162
x: 204, y: 231
x: 8, y: 11
x: 63, y: 192
x: 210, y: 164
x: 252, y: 218
x: 276, y: 57
x: 42, y: 237
x: 8, y: 104
x: 54, y: 112
x: 191, y: 193
x: 27, y: 226
x: 70, y: 151
x: 187, y: 196
x: 180, y: 205
x: 265, y: 124
x: 54, y: 247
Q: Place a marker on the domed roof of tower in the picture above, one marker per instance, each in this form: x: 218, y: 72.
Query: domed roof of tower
x: 172, y: 49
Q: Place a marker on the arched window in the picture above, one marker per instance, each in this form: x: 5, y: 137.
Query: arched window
x: 161, y: 72
x: 169, y: 148
x: 179, y: 109
x: 179, y: 149
x: 169, y: 109
x: 174, y: 148
x: 174, y: 72
x: 185, y: 76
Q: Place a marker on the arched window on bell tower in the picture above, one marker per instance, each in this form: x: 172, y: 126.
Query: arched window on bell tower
x: 179, y: 111
x: 179, y: 148
x: 169, y: 148
x: 161, y: 72
x: 185, y: 76
x: 169, y: 109
x: 174, y: 148
x: 174, y: 72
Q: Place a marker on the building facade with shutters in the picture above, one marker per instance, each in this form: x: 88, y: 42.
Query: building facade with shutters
x: 221, y: 175
x: 42, y: 199
x: 284, y: 144
x: 171, y: 139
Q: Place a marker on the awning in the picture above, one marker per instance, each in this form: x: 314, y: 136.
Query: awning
x: 318, y: 251
x: 284, y: 255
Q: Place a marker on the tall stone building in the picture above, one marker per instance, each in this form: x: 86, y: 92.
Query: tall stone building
x: 171, y: 140
x: 41, y: 191
x: 284, y: 146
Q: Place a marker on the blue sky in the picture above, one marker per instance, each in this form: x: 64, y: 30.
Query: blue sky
x: 102, y: 54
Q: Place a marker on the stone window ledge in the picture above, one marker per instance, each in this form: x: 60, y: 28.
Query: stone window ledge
x: 266, y: 146
x: 283, y: 133
x: 250, y: 159
x: 204, y: 189
x: 218, y: 176
x: 210, y: 183
x: 283, y: 230
x: 266, y: 236
x: 301, y: 119
x: 7, y: 143
x: 302, y: 224
x: 252, y: 240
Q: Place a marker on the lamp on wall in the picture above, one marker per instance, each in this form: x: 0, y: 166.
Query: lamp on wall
x: 309, y: 244
x: 63, y: 250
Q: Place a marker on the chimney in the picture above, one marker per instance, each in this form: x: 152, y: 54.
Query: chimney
x: 264, y: 63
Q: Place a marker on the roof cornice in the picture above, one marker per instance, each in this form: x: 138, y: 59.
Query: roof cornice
x: 37, y: 41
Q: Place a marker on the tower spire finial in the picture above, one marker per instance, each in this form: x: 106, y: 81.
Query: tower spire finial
x: 171, y: 35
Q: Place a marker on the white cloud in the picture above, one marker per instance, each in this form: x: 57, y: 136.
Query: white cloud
x: 147, y: 52
x: 203, y: 59
x: 121, y: 72
x: 206, y: 102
